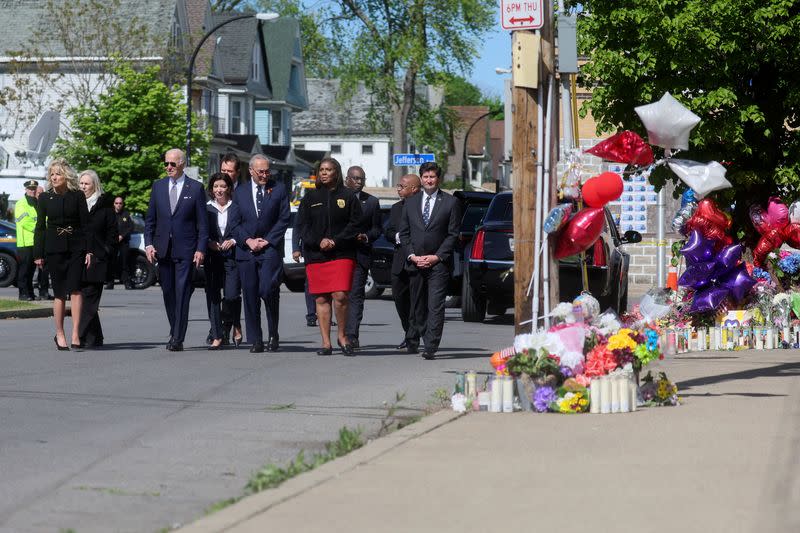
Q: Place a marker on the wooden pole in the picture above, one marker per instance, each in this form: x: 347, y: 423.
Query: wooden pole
x: 524, y: 160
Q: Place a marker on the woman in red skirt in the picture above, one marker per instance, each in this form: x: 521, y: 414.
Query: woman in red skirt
x: 328, y: 218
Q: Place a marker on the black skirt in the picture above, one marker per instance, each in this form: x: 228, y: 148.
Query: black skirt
x: 66, y: 272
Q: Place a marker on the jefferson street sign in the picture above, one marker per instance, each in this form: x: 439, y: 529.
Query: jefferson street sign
x: 411, y: 160
x: 521, y: 15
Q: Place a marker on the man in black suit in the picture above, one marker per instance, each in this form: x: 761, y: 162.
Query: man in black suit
x: 401, y: 291
x: 429, y: 230
x: 259, y: 232
x: 369, y: 229
x: 124, y: 231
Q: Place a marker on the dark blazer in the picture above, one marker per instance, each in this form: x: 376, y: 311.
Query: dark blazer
x: 271, y: 225
x: 392, y: 228
x: 187, y: 228
x: 439, y: 237
x: 124, y: 225
x: 213, y: 227
x: 297, y: 244
x: 332, y: 214
x: 61, y: 223
x: 370, y: 222
x: 101, y: 234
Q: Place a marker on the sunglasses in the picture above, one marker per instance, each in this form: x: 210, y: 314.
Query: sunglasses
x: 170, y: 164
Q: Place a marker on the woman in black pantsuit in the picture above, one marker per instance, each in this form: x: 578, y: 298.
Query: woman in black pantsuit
x: 59, y: 242
x: 101, y: 237
x: 220, y: 265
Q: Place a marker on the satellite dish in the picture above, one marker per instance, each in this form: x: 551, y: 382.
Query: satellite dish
x: 42, y: 136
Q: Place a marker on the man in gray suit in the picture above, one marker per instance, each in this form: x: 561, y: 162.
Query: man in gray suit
x: 429, y: 230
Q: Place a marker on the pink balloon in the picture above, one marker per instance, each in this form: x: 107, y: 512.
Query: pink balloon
x: 580, y: 232
x: 777, y: 212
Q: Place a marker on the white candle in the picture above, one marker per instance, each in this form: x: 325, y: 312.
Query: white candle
x: 594, y: 396
x: 484, y: 400
x: 701, y: 340
x: 715, y: 336
x: 759, y: 343
x: 624, y: 392
x: 605, y: 395
x: 615, y: 394
x: 508, y: 395
x: 786, y: 334
x: 770, y: 342
x: 471, y: 383
x: 634, y: 391
x: 496, y: 404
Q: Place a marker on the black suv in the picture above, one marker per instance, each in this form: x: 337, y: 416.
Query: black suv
x: 489, y: 275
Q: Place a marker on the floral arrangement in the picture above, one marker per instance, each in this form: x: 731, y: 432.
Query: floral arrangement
x: 659, y: 391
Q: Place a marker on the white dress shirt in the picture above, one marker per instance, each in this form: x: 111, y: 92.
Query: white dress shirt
x: 433, y: 196
x: 222, y: 216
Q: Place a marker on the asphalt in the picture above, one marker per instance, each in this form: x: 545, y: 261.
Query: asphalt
x: 723, y: 461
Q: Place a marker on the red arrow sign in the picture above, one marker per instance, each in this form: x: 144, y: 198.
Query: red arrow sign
x: 514, y: 20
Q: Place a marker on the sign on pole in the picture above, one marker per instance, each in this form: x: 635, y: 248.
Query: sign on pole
x: 521, y: 15
x: 412, y: 160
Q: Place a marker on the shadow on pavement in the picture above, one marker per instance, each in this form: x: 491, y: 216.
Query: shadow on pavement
x: 781, y: 370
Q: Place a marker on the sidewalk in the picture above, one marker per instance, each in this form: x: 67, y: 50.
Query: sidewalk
x: 724, y: 461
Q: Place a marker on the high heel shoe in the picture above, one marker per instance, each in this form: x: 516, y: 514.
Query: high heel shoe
x: 213, y: 347
x: 346, y: 349
x: 60, y: 348
x: 237, y: 341
x: 325, y: 351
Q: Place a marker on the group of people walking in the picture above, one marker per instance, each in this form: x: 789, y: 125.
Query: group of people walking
x: 236, y: 231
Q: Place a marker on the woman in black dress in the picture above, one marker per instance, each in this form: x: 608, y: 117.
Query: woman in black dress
x: 328, y: 223
x: 220, y: 264
x: 101, y: 237
x: 59, y: 242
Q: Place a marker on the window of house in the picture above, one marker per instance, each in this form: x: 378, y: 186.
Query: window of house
x: 276, y: 119
x: 366, y: 149
x: 236, y: 116
x: 336, y: 148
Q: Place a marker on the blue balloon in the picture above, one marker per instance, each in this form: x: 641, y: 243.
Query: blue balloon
x: 687, y: 197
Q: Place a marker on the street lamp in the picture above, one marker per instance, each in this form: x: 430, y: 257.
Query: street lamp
x: 259, y: 16
x: 464, y: 152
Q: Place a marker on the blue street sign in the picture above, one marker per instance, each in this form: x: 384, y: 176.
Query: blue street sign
x: 409, y: 160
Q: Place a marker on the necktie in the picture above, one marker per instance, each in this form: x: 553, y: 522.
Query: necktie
x: 426, y: 213
x: 259, y: 199
x: 173, y: 196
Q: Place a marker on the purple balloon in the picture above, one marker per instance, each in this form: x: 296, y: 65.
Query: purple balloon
x: 738, y: 282
x: 698, y: 249
x: 728, y: 258
x: 708, y: 300
x: 698, y: 275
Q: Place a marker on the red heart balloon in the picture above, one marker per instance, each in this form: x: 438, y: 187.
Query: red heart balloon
x: 711, y: 222
x: 600, y: 190
x: 624, y: 147
x: 791, y: 234
x: 580, y: 232
x: 771, y: 240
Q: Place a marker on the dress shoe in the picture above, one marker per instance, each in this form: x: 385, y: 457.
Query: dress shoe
x: 60, y: 348
x: 325, y: 351
x: 175, y: 347
x: 213, y: 348
x: 129, y: 286
x: 412, y: 348
x: 354, y: 343
x: 25, y: 298
x: 346, y: 349
x: 272, y: 344
x: 257, y: 347
x: 237, y: 341
x: 45, y: 296
x: 76, y: 347
x: 402, y: 345
x: 429, y: 354
x: 311, y: 322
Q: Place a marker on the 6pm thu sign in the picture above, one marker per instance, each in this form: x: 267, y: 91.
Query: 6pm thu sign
x: 521, y: 15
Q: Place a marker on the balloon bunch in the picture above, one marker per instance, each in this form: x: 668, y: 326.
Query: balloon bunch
x: 582, y: 230
x: 775, y: 226
x: 688, y: 207
x: 714, y: 276
x: 711, y: 222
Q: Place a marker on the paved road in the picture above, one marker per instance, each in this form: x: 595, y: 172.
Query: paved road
x: 135, y: 438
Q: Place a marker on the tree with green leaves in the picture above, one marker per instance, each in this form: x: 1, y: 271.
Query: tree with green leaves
x: 125, y: 133
x: 734, y: 64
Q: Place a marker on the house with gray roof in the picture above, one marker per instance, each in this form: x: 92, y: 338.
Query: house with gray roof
x: 355, y: 131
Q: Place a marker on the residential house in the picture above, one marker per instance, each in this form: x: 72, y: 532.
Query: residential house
x: 355, y: 132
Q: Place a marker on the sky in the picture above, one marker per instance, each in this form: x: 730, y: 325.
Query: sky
x: 495, y: 52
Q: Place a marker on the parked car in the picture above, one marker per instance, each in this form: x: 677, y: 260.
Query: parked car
x: 489, y: 278
x: 8, y: 253
x: 379, y: 277
x: 142, y: 273
x: 294, y: 274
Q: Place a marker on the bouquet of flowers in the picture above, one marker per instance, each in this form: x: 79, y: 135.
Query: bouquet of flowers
x: 659, y: 391
x: 570, y: 398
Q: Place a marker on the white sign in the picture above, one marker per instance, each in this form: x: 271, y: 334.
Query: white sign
x: 521, y: 15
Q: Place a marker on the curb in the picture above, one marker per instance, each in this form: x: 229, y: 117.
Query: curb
x: 250, y: 507
x: 39, y: 312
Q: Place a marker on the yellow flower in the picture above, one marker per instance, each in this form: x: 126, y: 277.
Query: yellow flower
x: 621, y: 340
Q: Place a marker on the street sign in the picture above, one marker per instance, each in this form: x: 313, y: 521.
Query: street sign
x: 521, y: 15
x: 412, y: 160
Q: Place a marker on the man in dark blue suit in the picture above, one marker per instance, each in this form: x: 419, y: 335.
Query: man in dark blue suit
x: 176, y: 233
x: 259, y: 231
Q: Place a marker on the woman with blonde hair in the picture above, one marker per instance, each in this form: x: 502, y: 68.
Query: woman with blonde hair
x: 60, y: 244
x: 101, y: 240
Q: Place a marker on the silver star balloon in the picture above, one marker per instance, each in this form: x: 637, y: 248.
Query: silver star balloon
x: 668, y: 123
x: 702, y: 178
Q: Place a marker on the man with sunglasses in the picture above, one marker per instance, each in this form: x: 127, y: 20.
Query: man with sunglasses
x: 176, y: 234
x: 259, y: 229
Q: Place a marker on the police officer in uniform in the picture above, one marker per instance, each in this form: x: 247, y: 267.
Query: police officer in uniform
x: 25, y: 218
x: 124, y: 230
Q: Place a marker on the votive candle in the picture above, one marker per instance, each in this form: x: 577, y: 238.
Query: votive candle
x: 496, y: 404
x: 605, y: 395
x: 594, y: 396
x: 615, y: 394
x: 508, y: 395
x: 624, y: 393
